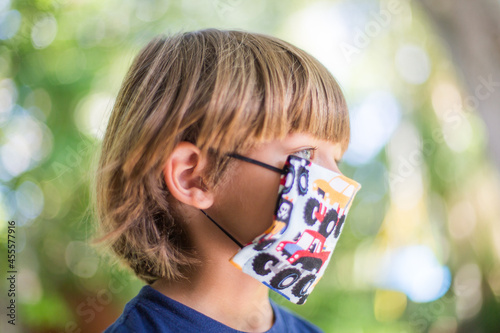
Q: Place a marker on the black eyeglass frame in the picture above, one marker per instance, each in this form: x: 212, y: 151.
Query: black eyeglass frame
x: 259, y: 163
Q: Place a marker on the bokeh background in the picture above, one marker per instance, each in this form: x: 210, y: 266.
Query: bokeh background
x: 421, y: 249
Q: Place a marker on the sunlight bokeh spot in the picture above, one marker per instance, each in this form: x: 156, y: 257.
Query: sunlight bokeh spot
x: 30, y: 199
x: 81, y: 259
x: 415, y: 271
x: 372, y: 125
x: 44, y: 32
x: 9, y: 24
x: 413, y: 64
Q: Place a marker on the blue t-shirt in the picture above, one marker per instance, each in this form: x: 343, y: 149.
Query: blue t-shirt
x: 151, y: 311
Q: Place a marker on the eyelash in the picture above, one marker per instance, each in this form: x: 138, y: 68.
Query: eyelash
x: 311, y: 149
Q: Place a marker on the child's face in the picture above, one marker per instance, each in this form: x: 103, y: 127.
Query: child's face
x: 245, y: 203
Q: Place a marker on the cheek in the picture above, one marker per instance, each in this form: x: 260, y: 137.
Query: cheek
x: 248, y: 204
x: 261, y: 208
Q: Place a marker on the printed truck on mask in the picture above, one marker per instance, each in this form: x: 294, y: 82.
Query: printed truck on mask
x: 308, y: 250
x: 336, y: 192
x: 297, y: 175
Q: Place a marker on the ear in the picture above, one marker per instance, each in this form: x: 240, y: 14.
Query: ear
x: 183, y: 173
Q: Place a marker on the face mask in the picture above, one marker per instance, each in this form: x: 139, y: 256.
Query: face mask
x: 292, y: 255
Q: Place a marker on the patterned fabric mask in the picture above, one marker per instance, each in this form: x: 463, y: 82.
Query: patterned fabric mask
x: 292, y: 255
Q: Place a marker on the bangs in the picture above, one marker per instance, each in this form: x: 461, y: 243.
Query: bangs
x: 266, y: 89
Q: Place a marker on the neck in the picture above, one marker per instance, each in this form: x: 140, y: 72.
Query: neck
x: 220, y: 291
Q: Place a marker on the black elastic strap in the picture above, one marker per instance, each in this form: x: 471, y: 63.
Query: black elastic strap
x: 224, y: 231
x: 259, y: 163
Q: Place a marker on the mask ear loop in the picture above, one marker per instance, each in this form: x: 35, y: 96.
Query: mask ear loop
x: 222, y: 229
x: 248, y: 160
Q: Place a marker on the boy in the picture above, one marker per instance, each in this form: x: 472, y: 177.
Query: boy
x: 186, y: 180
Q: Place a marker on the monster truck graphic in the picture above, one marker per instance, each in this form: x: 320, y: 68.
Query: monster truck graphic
x: 296, y: 174
x: 330, y: 191
x: 298, y: 171
x: 336, y: 192
x: 307, y: 251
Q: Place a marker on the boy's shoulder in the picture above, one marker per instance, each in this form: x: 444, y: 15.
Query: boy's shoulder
x: 151, y: 311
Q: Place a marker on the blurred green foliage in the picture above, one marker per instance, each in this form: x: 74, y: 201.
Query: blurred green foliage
x: 426, y: 180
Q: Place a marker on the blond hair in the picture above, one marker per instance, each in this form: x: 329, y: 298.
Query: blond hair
x: 223, y: 91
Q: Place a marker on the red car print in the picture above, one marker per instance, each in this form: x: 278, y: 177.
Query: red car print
x: 307, y: 250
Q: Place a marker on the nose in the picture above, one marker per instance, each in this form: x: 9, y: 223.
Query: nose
x: 328, y: 154
x: 329, y: 163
